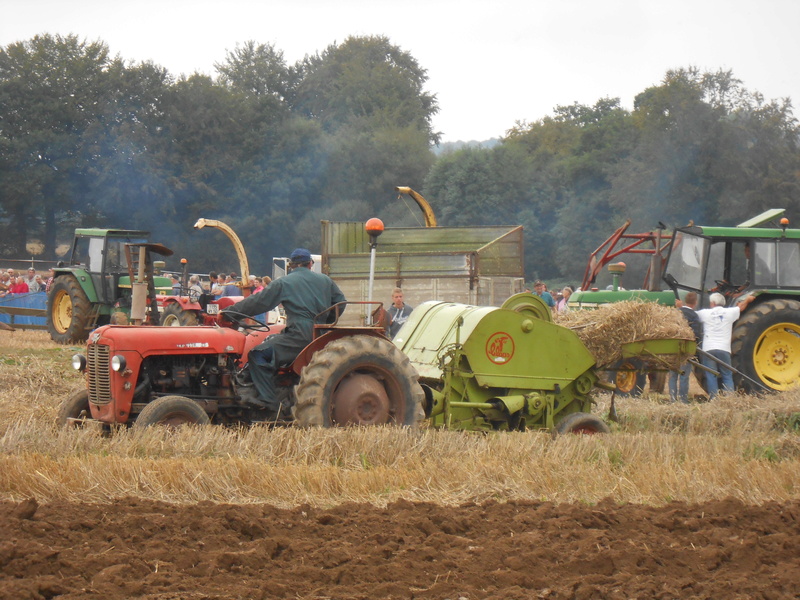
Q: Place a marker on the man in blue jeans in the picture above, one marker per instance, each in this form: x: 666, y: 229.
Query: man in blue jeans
x: 679, y: 382
x: 717, y: 328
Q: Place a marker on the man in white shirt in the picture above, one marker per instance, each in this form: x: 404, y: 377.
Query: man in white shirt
x: 717, y: 328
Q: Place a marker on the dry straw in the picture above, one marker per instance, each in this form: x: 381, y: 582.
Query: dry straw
x: 604, y: 330
x: 744, y: 447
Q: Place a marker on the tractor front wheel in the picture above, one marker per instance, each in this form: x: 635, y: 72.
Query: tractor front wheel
x: 359, y: 380
x: 74, y: 411
x: 68, y: 311
x: 766, y: 345
x: 581, y: 423
x: 172, y: 412
x: 175, y: 316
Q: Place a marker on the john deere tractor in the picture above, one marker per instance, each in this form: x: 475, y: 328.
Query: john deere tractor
x: 110, y: 273
x: 761, y: 258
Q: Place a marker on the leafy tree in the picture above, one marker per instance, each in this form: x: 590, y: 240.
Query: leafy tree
x: 50, y: 91
x: 256, y: 70
x: 709, y: 151
x: 130, y: 180
x: 365, y: 78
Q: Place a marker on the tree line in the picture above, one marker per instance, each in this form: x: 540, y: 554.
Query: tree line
x: 87, y: 139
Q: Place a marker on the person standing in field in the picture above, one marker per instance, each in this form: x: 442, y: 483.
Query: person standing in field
x: 679, y: 381
x: 717, y: 329
x: 33, y: 285
x: 397, y: 313
x: 563, y: 303
x: 540, y: 290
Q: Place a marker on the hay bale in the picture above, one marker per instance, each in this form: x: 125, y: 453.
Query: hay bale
x: 604, y: 330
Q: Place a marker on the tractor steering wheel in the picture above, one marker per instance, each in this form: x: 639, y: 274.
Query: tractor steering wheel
x: 244, y: 321
x: 728, y: 289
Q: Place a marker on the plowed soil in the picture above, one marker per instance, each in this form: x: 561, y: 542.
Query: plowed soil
x: 142, y: 549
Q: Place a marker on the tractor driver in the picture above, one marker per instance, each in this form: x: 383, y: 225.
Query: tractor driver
x: 303, y: 294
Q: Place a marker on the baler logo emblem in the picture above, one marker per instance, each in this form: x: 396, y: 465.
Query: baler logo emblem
x: 500, y: 348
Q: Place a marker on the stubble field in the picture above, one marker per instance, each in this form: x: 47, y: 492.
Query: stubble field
x: 678, y: 502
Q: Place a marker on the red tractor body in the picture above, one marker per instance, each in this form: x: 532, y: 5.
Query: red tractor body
x: 199, y: 374
x: 168, y: 360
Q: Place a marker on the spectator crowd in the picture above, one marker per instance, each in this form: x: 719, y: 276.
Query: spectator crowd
x: 12, y: 282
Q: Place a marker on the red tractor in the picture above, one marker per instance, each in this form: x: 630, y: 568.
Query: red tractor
x: 147, y: 375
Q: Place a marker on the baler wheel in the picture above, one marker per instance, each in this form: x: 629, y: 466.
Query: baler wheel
x: 74, y: 407
x: 68, y: 311
x: 175, y: 316
x: 172, y: 412
x: 359, y: 380
x: 628, y: 379
x: 581, y: 423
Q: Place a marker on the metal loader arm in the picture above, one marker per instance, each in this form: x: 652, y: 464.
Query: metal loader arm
x: 430, y: 218
x: 237, y: 244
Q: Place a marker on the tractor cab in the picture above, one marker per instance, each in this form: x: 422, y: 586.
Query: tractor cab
x: 101, y: 254
x: 97, y: 282
x: 748, y: 258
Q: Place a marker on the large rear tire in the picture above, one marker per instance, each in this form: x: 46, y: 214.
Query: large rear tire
x: 581, y: 423
x: 766, y: 345
x: 175, y: 316
x: 74, y: 410
x: 173, y: 412
x: 359, y: 380
x: 68, y: 311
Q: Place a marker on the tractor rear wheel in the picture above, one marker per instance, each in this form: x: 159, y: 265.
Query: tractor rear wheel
x: 766, y: 345
x: 359, y: 380
x: 73, y: 408
x: 172, y: 412
x: 583, y: 423
x: 68, y: 311
x: 175, y: 316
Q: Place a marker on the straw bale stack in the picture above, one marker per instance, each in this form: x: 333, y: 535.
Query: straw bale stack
x: 604, y: 330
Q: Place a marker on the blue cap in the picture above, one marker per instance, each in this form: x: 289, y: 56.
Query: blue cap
x: 300, y: 255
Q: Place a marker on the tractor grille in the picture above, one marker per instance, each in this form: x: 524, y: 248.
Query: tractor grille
x: 99, y: 370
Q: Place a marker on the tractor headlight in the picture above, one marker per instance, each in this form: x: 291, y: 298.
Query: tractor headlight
x: 118, y: 363
x: 79, y: 362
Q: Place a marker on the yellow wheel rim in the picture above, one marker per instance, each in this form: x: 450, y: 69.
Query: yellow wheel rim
x: 776, y: 357
x: 62, y: 311
x: 625, y: 379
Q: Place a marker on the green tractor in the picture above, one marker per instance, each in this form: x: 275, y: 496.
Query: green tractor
x: 110, y: 276
x: 760, y: 257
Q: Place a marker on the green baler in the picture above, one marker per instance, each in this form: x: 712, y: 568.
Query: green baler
x: 507, y: 368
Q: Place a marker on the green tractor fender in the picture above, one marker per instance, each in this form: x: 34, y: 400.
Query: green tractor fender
x: 83, y: 278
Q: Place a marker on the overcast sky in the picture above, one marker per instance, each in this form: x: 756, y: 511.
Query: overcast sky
x: 490, y: 63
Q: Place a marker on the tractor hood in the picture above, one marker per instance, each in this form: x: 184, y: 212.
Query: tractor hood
x: 153, y: 341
